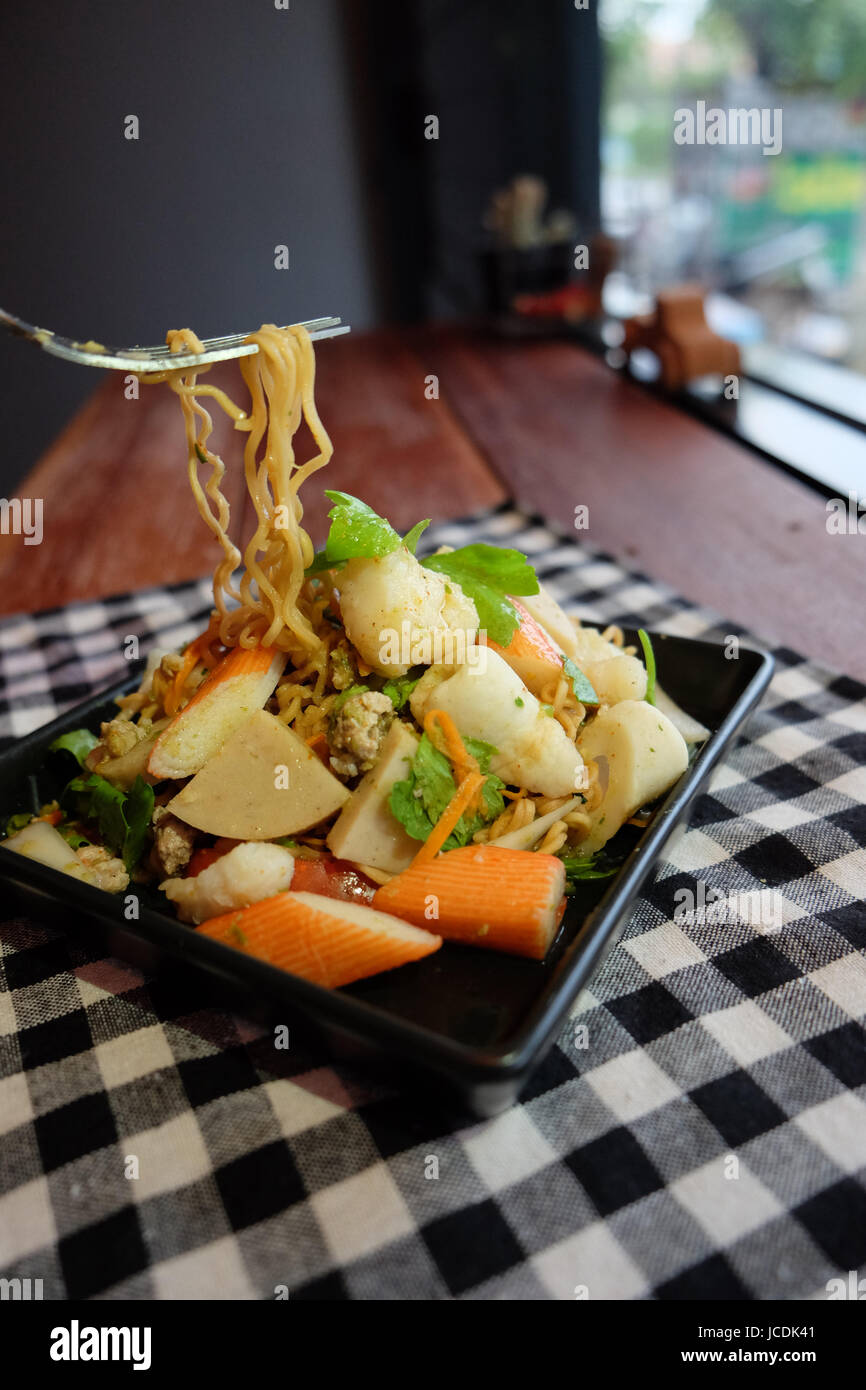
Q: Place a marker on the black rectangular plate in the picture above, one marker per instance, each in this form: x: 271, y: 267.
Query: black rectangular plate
x: 474, y: 1020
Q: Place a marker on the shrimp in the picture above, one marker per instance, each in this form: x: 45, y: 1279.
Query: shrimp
x: 398, y: 614
x: 248, y: 874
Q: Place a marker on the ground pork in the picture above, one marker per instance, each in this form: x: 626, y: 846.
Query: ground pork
x: 173, y: 842
x: 357, y: 731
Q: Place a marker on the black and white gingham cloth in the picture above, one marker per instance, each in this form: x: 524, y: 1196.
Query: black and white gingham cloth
x: 702, y: 1136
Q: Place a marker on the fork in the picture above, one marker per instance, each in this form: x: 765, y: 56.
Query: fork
x: 152, y: 359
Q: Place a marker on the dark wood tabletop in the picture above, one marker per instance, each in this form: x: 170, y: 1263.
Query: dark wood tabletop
x: 547, y: 423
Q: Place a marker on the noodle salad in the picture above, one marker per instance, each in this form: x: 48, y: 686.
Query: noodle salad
x: 366, y: 752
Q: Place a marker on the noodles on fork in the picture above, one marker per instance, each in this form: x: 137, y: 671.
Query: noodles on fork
x: 264, y: 609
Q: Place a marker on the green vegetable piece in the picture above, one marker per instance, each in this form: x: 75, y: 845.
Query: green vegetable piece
x: 581, y: 685
x: 650, y: 663
x: 18, y: 821
x: 411, y: 538
x: 73, y: 837
x: 488, y: 574
x: 356, y: 530
x: 345, y: 695
x: 399, y: 689
x: 601, y: 865
x: 419, y: 801
x: 78, y: 742
x: 320, y: 563
x: 123, y: 818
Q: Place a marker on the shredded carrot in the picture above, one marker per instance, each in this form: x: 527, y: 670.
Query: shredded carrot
x: 318, y: 744
x: 191, y: 657
x: 454, y: 748
x: 461, y: 801
x: 52, y: 817
x: 462, y: 761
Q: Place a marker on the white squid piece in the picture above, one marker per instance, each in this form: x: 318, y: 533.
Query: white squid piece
x: 492, y: 703
x: 398, y: 614
x: 249, y: 873
x: 639, y: 754
x: 613, y: 673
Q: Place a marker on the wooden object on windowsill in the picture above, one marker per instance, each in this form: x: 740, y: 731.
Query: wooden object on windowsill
x: 679, y: 335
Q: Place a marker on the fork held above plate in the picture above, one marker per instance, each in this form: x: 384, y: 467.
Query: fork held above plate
x: 156, y: 358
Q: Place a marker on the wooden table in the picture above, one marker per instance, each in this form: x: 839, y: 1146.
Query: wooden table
x: 546, y: 423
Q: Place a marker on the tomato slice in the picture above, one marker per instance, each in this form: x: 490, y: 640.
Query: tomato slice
x: 208, y: 854
x: 333, y: 878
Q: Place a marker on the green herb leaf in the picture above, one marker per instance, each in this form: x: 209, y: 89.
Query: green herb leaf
x: 411, y: 538
x: 482, y: 752
x: 78, y: 742
x: 200, y: 453
x: 345, y: 695
x: 320, y: 563
x: 123, y: 818
x: 488, y: 574
x: 601, y: 865
x: 73, y: 837
x: 650, y: 662
x: 419, y: 801
x: 399, y: 689
x: 580, y: 683
x: 18, y: 821
x: 297, y: 849
x: 356, y: 530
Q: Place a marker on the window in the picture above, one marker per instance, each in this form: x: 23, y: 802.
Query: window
x: 734, y: 153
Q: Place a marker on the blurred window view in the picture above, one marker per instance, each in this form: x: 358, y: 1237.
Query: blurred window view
x: 780, y: 238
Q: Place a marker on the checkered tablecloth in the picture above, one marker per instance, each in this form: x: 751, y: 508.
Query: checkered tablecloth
x: 702, y: 1136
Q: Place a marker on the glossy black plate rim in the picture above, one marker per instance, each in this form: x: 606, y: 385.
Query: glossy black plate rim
x: 501, y: 1065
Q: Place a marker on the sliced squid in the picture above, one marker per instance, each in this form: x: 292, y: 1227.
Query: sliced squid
x: 490, y: 702
x: 639, y: 754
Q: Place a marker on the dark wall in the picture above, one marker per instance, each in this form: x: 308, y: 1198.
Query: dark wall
x: 247, y: 140
x: 515, y: 87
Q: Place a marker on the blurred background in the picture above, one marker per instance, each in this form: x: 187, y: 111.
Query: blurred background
x: 308, y: 124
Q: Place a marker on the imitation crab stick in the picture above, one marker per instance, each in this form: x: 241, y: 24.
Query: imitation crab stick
x: 321, y: 939
x: 235, y: 689
x: 531, y: 652
x: 505, y: 899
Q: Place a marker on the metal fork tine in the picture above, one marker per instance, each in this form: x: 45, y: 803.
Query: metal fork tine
x: 156, y: 357
x: 235, y: 339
